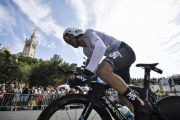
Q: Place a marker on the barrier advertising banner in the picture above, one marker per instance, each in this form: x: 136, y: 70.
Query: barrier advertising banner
x: 165, y: 85
x: 177, y: 88
x: 154, y: 87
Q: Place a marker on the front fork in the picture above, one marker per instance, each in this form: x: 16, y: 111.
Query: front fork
x: 92, y: 98
x: 91, y: 102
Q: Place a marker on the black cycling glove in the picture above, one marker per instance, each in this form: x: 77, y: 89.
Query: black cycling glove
x: 88, y: 73
x: 81, y: 79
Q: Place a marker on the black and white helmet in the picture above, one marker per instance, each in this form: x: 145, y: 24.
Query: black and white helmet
x: 71, y: 32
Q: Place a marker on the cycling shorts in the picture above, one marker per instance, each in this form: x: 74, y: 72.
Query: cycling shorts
x: 121, y: 60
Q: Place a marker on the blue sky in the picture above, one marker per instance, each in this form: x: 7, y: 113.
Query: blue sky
x: 151, y: 27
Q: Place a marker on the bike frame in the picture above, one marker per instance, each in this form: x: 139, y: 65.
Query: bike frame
x: 98, y: 94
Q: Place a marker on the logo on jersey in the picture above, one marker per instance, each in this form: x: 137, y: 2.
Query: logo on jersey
x: 131, y: 95
x: 114, y: 55
x: 81, y: 77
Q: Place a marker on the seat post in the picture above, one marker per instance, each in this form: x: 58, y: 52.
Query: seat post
x: 146, y: 83
x: 146, y: 78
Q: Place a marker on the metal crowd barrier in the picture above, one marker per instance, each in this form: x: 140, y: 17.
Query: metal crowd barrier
x: 14, y: 101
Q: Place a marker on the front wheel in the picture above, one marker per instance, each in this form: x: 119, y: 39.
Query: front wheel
x: 70, y: 107
x: 170, y: 107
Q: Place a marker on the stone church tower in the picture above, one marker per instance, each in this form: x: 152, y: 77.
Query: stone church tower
x: 30, y: 46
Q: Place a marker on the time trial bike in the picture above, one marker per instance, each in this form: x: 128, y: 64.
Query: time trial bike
x: 97, y: 106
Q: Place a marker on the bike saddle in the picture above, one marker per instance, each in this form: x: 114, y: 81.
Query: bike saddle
x: 147, y: 65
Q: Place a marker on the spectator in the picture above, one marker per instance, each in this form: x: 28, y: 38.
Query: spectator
x: 17, y: 94
x: 162, y: 94
x: 157, y: 95
x: 15, y: 87
x: 42, y: 90
x: 47, y: 90
x: 66, y: 92
x: 76, y: 91
x: 18, y: 90
x: 29, y: 104
x: 71, y: 91
x: 9, y: 97
x: 10, y: 89
x: 62, y: 92
x: 56, y: 91
x: 32, y: 90
x: 24, y: 94
x: 39, y: 101
x: 38, y: 91
x: 2, y: 91
x: 33, y: 104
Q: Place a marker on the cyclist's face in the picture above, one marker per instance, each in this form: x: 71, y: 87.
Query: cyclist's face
x: 72, y: 42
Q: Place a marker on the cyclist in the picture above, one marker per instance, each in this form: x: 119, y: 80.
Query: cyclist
x: 114, y: 69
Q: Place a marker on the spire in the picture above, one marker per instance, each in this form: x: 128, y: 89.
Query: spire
x: 33, y: 35
x: 34, y: 31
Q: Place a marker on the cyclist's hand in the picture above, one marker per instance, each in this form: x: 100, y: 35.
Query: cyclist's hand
x: 81, y: 79
x: 88, y: 73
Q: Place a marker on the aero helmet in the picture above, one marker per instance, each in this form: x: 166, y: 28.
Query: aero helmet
x: 71, y: 32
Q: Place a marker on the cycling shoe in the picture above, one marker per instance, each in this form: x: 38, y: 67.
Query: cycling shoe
x: 144, y: 111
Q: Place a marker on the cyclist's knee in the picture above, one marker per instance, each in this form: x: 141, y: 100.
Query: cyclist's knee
x: 103, y: 70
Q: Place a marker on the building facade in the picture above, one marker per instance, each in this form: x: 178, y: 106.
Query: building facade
x: 30, y: 46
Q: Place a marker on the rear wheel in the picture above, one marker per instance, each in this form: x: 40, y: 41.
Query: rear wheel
x: 70, y: 107
x: 170, y: 107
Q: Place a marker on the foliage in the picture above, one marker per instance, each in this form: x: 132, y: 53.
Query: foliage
x: 8, y: 67
x: 27, y: 60
x: 33, y: 71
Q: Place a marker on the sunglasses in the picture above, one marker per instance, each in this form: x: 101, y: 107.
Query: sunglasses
x: 68, y: 37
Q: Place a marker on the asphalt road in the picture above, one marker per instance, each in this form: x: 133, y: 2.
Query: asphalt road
x: 20, y: 115
x: 33, y: 115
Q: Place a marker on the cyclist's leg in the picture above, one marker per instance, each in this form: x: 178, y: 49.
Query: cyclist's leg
x: 115, y: 82
x: 124, y: 74
x: 126, y: 102
x: 119, y: 60
x: 104, y: 71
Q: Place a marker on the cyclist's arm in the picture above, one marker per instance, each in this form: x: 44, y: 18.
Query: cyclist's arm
x: 98, y: 52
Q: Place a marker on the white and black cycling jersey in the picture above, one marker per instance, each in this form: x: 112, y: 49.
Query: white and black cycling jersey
x: 99, y: 45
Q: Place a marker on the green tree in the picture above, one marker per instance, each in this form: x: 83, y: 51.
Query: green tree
x: 27, y: 60
x: 46, y: 73
x: 23, y: 72
x: 8, y: 67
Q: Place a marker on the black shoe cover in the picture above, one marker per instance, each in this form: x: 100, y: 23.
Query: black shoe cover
x: 143, y: 112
